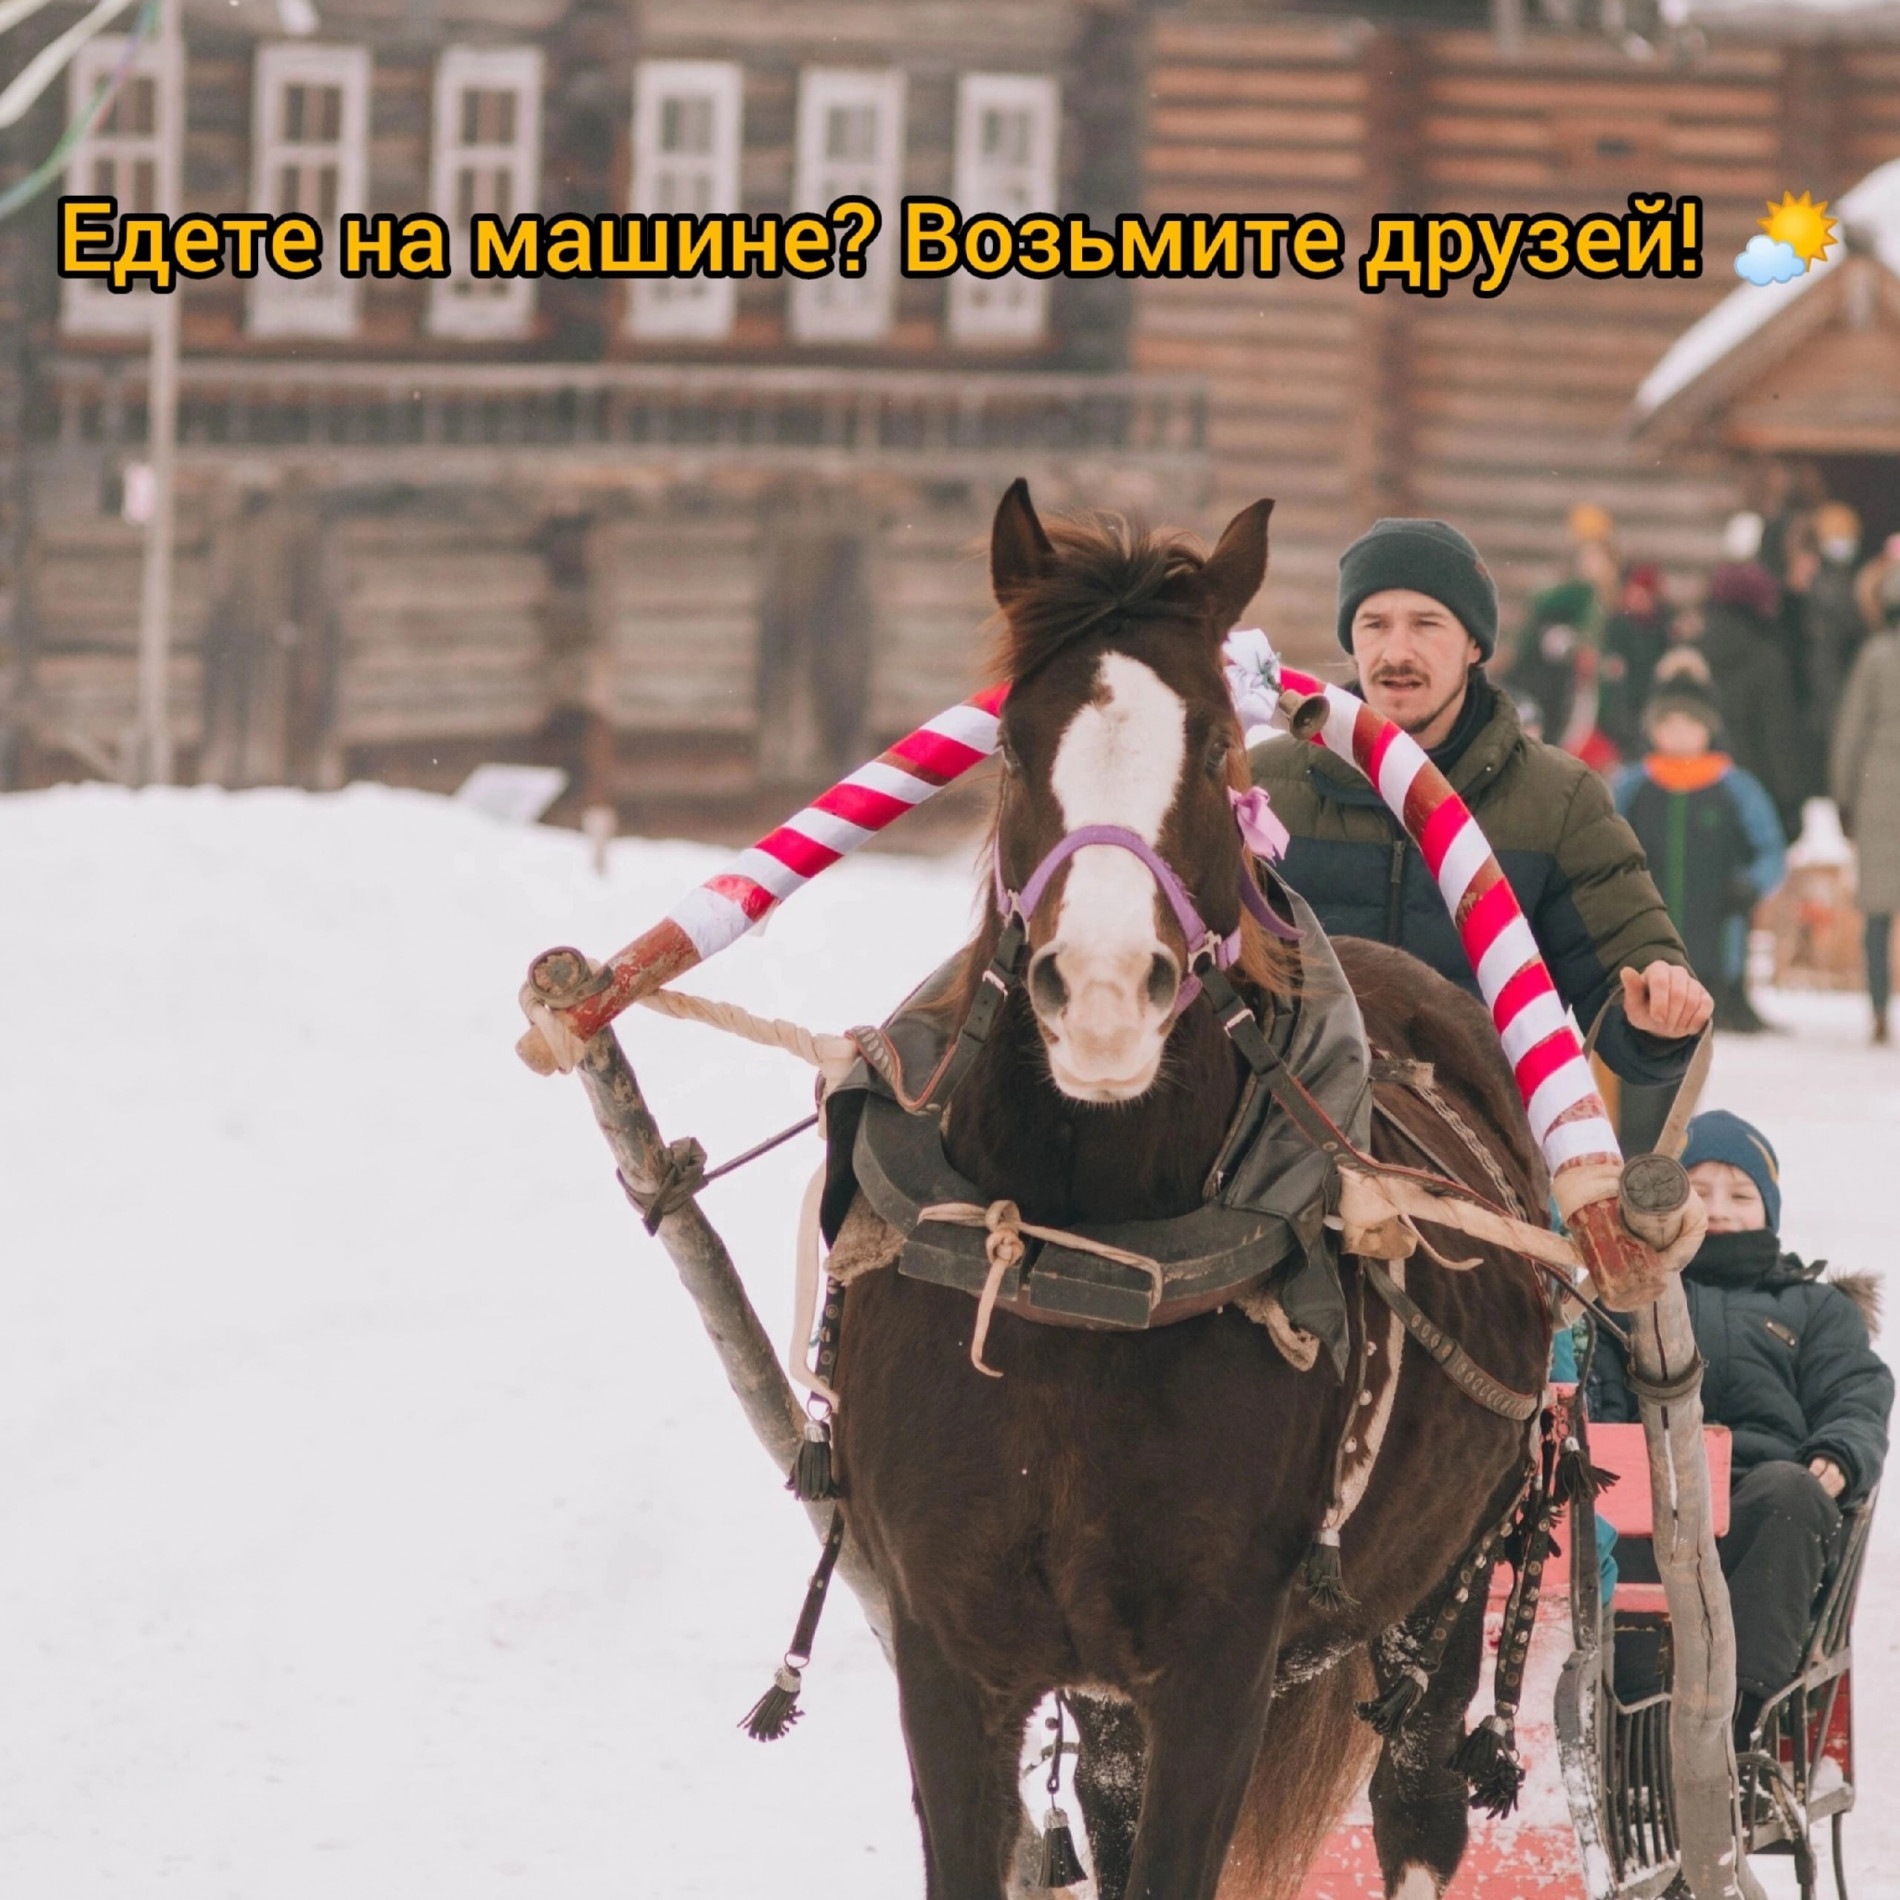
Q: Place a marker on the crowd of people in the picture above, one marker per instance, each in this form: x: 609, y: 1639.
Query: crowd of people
x: 1717, y: 713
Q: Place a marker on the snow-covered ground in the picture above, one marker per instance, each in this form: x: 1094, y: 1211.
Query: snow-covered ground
x: 373, y: 1519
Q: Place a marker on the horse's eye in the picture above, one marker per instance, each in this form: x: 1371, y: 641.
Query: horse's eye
x: 1217, y: 749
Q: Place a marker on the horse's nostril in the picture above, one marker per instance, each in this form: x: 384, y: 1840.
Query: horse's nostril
x: 1047, y: 991
x: 1164, y: 980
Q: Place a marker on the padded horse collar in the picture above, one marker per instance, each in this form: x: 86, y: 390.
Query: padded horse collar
x: 1266, y: 1195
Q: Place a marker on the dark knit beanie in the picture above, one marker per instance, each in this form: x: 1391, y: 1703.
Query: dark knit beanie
x: 1720, y: 1136
x: 1684, y: 693
x: 1430, y: 557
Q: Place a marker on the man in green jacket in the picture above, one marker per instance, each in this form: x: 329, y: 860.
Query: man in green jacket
x: 1419, y: 613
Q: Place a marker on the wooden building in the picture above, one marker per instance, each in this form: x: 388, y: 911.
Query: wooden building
x: 694, y: 539
x: 1499, y: 415
x: 700, y: 542
x: 1807, y: 369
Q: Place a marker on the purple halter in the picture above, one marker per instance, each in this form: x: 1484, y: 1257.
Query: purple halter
x: 1201, y: 940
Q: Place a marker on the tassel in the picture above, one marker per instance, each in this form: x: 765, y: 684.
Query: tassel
x: 1322, y: 1576
x: 812, y: 1478
x: 777, y: 1709
x: 1390, y: 1710
x: 1487, y: 1759
x: 1577, y: 1477
x: 1057, y: 1865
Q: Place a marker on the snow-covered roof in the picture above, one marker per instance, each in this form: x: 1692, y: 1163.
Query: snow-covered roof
x: 1869, y: 21
x: 1705, y: 11
x: 1871, y: 209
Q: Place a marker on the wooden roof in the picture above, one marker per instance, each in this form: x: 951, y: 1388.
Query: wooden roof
x: 1807, y: 367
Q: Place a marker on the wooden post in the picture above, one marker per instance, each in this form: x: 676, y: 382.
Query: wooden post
x: 705, y: 1269
x: 1702, y: 1707
x: 161, y: 435
x: 1380, y: 451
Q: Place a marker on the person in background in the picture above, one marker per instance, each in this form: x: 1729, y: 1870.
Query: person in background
x: 1418, y: 612
x: 1791, y: 1371
x: 1593, y: 558
x: 1635, y: 637
x: 1709, y: 830
x: 1751, y: 685
x: 1553, y: 661
x: 1835, y: 626
x: 1877, y: 585
x: 1865, y: 773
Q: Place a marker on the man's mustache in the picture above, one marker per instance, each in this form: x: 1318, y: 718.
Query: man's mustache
x: 1398, y: 676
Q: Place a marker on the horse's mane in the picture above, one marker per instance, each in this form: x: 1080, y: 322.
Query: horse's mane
x: 1107, y: 572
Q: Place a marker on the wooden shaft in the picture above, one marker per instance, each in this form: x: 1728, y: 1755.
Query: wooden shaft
x: 1702, y: 1708
x: 706, y: 1271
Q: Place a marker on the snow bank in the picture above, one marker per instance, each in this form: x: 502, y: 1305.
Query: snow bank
x: 376, y: 1520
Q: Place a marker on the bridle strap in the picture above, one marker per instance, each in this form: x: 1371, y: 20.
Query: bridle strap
x: 1200, y: 939
x: 1207, y: 953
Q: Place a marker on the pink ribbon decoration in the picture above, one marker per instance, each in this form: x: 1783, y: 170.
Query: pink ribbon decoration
x: 1266, y: 837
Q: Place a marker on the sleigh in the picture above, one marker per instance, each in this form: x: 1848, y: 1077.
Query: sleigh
x: 1613, y: 1704
x: 1598, y: 1817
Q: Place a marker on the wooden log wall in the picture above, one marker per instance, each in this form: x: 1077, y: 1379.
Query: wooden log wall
x: 444, y: 623
x: 1497, y: 415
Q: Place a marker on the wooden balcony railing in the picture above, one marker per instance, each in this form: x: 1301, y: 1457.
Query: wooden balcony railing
x: 404, y: 411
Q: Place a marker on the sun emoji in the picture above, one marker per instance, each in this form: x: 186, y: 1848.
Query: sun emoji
x: 1801, y: 224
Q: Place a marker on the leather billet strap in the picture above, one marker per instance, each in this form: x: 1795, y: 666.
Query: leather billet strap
x: 1294, y: 1098
x: 1682, y: 1106
x: 1451, y: 1358
x: 1005, y: 967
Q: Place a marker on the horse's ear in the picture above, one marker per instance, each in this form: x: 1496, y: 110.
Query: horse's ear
x: 1237, y: 566
x: 1020, y: 552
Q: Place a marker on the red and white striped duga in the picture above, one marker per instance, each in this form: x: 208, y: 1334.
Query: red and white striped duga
x: 730, y: 903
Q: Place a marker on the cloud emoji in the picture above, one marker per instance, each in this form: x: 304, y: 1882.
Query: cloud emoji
x: 1768, y: 261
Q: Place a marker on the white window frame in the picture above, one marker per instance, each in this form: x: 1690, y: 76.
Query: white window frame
x: 87, y: 306
x: 463, y: 305
x: 838, y: 309
x: 325, y: 303
x: 697, y: 308
x: 1011, y: 308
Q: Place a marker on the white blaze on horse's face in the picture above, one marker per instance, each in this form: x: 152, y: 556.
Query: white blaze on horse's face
x: 1104, y: 985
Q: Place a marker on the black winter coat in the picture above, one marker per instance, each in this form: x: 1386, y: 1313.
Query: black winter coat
x: 1790, y: 1370
x: 1756, y: 697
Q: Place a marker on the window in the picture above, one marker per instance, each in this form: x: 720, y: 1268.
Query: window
x: 686, y: 126
x: 1006, y: 161
x: 850, y: 144
x: 310, y: 134
x: 487, y: 158
x: 124, y: 157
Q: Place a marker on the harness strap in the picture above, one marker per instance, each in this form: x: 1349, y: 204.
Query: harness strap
x: 991, y: 994
x: 1666, y: 1391
x: 1294, y: 1098
x: 1004, y: 1248
x: 1451, y: 1358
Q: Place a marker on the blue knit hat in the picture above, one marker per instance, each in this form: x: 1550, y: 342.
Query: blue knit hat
x: 1720, y: 1136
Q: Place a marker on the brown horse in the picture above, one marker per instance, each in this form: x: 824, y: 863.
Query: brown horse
x: 1123, y: 1515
